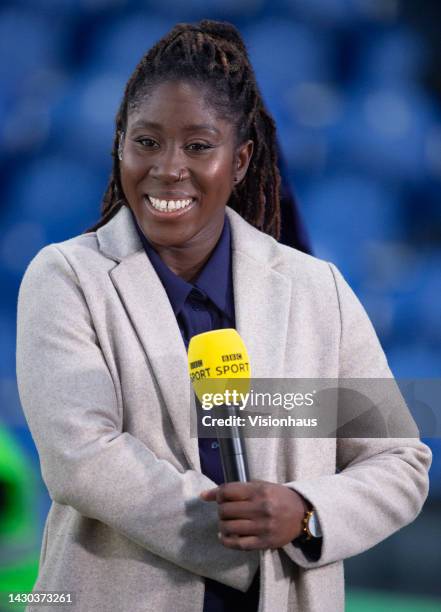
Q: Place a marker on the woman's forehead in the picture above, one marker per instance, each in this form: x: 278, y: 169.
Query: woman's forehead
x: 174, y: 92
x: 179, y: 103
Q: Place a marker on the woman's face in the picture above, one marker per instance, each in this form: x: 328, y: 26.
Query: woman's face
x: 171, y: 135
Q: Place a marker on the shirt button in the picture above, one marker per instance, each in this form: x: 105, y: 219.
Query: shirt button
x: 198, y: 300
x: 214, y: 444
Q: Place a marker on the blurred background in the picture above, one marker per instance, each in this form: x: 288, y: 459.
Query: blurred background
x: 354, y: 86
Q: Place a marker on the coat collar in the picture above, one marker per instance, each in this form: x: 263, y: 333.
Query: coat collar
x: 262, y: 298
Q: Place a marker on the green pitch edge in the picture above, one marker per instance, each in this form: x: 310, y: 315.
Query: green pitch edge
x: 19, y: 578
x: 373, y: 601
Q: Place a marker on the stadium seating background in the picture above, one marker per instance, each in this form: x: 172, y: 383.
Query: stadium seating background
x: 354, y: 89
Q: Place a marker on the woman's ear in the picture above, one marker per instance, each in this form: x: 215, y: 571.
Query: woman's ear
x: 242, y: 161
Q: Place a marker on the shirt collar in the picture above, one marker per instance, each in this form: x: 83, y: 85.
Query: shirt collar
x: 214, y: 279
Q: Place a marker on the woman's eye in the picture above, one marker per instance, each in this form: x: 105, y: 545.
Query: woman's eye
x: 198, y: 146
x: 148, y: 143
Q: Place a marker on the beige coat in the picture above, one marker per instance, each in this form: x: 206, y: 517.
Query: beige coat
x: 103, y: 381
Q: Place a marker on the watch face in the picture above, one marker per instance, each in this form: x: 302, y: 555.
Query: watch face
x: 314, y: 526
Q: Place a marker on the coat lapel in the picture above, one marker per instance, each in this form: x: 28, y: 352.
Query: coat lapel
x: 262, y: 299
x: 152, y: 316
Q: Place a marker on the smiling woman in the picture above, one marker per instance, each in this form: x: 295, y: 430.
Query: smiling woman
x: 141, y: 518
x: 192, y: 111
x: 179, y: 163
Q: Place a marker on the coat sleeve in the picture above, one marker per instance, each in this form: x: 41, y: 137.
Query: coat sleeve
x: 87, y: 461
x: 380, y: 484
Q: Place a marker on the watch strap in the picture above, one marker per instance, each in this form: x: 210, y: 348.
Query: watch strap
x: 306, y: 534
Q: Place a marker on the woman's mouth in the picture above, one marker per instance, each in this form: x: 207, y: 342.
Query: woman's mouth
x: 170, y: 207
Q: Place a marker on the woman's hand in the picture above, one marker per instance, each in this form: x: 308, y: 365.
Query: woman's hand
x: 257, y: 514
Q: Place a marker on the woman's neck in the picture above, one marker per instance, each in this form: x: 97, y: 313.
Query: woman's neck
x: 187, y: 261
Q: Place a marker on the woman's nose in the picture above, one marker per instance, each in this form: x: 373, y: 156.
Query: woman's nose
x: 168, y: 165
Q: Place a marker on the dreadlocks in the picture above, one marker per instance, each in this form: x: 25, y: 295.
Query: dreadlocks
x: 213, y: 55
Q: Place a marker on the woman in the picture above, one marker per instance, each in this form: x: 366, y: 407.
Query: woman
x: 103, y: 323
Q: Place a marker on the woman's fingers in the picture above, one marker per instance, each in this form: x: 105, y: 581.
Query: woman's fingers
x: 237, y: 510
x: 244, y: 542
x: 239, y: 528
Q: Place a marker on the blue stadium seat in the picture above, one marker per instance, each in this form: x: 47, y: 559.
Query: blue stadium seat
x: 29, y: 41
x: 284, y: 53
x: 61, y: 193
x: 82, y: 121
x: 392, y: 58
x: 344, y: 213
x: 384, y: 132
x: 119, y: 44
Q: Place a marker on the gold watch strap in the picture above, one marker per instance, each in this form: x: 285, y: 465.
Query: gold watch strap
x: 307, y: 535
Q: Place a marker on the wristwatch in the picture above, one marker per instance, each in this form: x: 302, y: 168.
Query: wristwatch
x: 311, y: 526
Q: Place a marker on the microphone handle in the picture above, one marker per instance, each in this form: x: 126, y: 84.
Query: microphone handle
x: 232, y: 449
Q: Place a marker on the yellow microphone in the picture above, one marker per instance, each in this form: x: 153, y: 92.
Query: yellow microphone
x: 218, y: 363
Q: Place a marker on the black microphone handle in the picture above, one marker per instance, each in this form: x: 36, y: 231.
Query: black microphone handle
x: 232, y: 448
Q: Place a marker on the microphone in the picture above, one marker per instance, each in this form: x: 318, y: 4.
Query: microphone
x: 218, y: 363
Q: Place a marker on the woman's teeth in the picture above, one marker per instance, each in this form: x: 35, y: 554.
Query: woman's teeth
x: 169, y: 205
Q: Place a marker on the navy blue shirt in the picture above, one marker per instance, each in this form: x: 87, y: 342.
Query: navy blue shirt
x: 205, y: 304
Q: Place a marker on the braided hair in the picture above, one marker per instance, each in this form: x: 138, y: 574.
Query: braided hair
x: 211, y: 54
